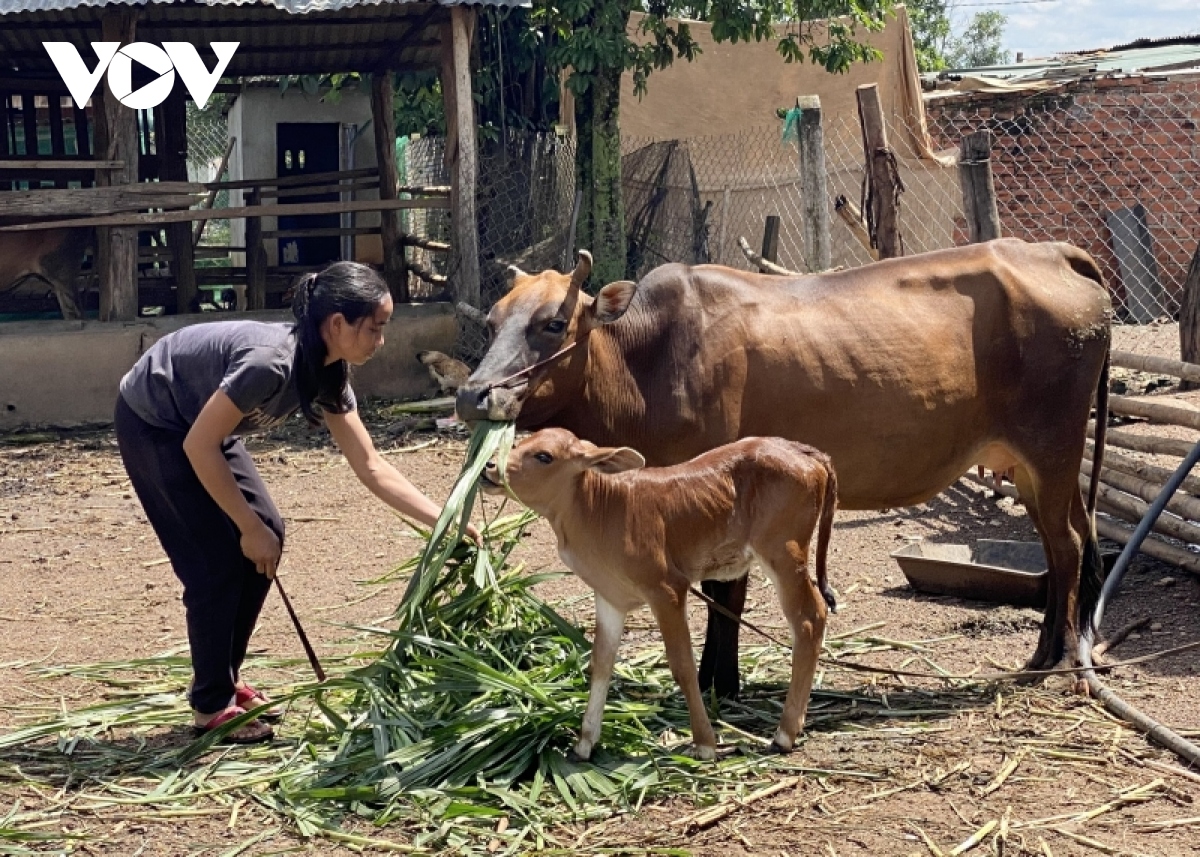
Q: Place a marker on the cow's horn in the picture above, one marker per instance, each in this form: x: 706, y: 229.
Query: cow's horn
x: 514, y: 272
x: 583, y: 269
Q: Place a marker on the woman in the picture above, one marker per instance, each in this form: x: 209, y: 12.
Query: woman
x: 179, y: 418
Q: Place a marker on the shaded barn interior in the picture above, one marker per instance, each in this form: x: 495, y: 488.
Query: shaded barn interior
x: 116, y: 245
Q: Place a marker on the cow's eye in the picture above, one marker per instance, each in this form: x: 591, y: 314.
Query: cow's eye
x: 556, y: 326
x: 543, y: 457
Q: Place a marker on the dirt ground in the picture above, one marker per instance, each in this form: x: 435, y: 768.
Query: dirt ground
x: 82, y: 580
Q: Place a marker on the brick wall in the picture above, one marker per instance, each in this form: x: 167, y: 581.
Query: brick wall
x: 1063, y: 161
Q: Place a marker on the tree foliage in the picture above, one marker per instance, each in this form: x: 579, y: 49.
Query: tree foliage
x: 981, y: 42
x: 930, y: 24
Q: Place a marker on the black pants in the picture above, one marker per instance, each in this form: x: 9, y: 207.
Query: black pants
x: 222, y: 592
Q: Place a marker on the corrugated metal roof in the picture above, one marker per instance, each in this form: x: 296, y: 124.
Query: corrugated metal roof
x: 293, y: 7
x: 1145, y: 56
x: 277, y: 37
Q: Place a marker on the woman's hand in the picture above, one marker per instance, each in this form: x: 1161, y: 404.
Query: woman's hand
x: 474, y: 535
x: 261, y: 546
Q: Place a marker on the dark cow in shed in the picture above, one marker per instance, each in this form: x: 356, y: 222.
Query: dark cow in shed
x: 907, y: 372
x: 51, y: 255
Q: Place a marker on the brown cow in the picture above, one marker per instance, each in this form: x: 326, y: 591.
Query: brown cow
x: 906, y: 372
x: 644, y: 537
x: 52, y: 255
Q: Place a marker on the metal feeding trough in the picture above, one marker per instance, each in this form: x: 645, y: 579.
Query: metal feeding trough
x: 1004, y: 572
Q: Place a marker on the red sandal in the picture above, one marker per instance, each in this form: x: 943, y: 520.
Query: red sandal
x: 253, y: 732
x: 251, y: 699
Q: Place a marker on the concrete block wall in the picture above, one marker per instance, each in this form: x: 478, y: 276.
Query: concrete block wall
x: 63, y: 374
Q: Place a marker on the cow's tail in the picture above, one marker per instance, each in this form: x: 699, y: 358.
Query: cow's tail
x: 1101, y: 433
x: 1091, y: 581
x: 824, y: 531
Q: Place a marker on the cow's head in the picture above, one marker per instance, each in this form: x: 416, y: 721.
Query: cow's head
x: 543, y: 470
x: 541, y: 315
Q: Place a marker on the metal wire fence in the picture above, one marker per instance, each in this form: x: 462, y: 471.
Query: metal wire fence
x: 524, y: 204
x: 1110, y: 166
x: 208, y: 138
x: 1114, y: 169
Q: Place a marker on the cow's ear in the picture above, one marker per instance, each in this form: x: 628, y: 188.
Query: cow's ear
x: 612, y: 301
x: 615, y: 460
x: 511, y: 274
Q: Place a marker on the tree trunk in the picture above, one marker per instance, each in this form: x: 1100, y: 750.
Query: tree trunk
x: 598, y: 174
x: 1189, y: 319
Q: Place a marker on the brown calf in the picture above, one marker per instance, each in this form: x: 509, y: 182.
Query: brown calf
x: 52, y: 255
x: 644, y: 537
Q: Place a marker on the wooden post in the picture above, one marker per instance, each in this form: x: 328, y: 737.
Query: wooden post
x: 172, y: 147
x: 884, y: 186
x: 978, y: 189
x: 770, y: 242
x: 1189, y: 318
x: 814, y: 192
x: 256, y: 258
x: 118, y: 254
x: 460, y: 148
x: 395, y: 269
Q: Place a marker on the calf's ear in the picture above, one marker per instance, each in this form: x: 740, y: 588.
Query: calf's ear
x: 615, y: 460
x: 612, y: 301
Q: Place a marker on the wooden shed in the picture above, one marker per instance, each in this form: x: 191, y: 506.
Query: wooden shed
x: 66, y: 166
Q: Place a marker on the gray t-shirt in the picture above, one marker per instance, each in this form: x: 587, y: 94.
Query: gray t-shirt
x: 249, y: 361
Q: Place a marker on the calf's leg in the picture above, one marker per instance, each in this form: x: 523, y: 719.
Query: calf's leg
x: 610, y: 623
x: 805, y: 611
x: 719, y: 661
x: 671, y: 615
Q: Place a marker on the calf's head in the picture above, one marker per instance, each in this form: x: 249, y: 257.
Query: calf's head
x: 541, y: 314
x: 545, y: 466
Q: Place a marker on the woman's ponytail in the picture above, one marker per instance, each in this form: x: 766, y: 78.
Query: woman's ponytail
x: 349, y: 288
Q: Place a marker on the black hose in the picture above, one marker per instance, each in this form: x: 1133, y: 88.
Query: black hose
x: 1156, y: 731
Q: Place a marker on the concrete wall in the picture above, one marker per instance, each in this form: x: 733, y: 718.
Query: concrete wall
x: 252, y: 120
x: 61, y: 373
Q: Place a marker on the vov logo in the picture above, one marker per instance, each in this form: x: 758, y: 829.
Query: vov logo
x: 172, y: 57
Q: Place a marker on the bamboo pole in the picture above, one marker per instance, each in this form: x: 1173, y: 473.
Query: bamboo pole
x: 423, y: 273
x: 1147, y: 472
x: 1156, y: 365
x: 425, y: 243
x: 852, y: 217
x: 1142, y: 442
x: 1152, y: 546
x: 1154, y: 411
x: 1181, y: 505
x: 1111, y: 529
x: 1133, y: 510
x: 764, y: 266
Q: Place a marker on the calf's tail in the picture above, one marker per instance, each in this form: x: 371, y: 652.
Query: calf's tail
x: 824, y: 530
